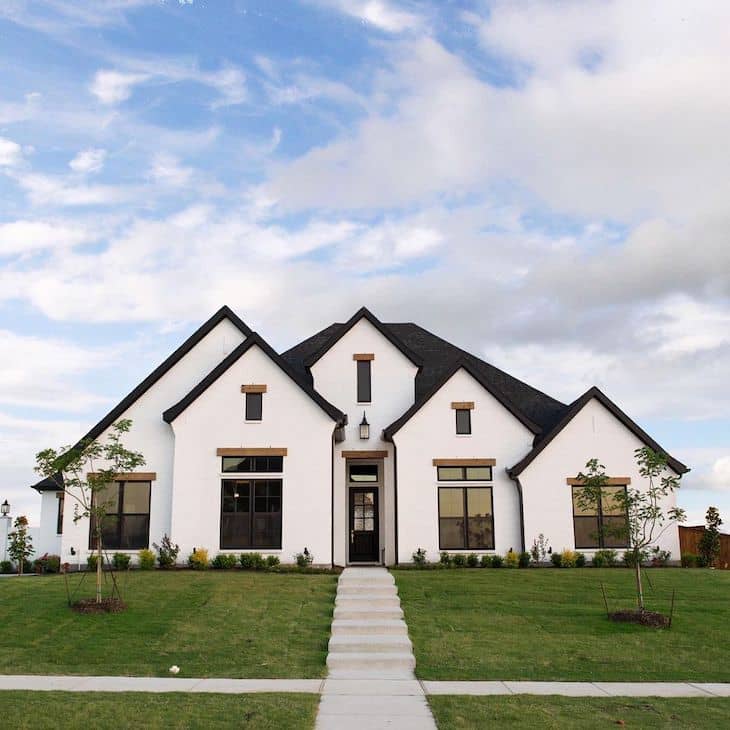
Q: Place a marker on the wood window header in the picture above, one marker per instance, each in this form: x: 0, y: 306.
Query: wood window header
x: 253, y: 389
x: 363, y: 356
x: 610, y: 482
x: 137, y: 476
x: 464, y: 462
x: 364, y: 454
x: 251, y: 451
x: 463, y: 405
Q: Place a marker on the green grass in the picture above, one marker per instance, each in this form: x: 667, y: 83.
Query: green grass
x: 213, y: 623
x: 461, y: 713
x: 100, y: 710
x: 551, y: 624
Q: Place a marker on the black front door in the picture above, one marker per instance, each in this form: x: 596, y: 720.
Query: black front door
x: 364, y: 542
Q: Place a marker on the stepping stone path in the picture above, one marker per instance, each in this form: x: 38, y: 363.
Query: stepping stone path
x: 371, y: 683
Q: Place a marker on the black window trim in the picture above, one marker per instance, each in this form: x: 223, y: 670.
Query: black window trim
x: 61, y: 497
x: 250, y: 398
x: 468, y: 419
x: 466, y: 517
x: 120, y: 484
x: 254, y: 456
x: 364, y: 381
x: 252, y: 482
x: 599, y: 517
x: 464, y: 473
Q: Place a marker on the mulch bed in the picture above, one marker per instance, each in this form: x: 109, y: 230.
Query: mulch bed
x: 107, y: 605
x: 645, y: 618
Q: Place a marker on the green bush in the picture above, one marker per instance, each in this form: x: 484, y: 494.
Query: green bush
x: 459, y: 560
x: 146, y: 559
x: 472, y: 560
x: 556, y: 559
x: 198, y: 559
x: 252, y: 561
x: 523, y: 560
x: 497, y: 561
x: 272, y: 562
x: 445, y: 559
x: 659, y: 557
x: 604, y: 559
x: 224, y: 561
x: 580, y: 560
x: 47, y: 564
x: 419, y: 558
x: 569, y: 558
x: 630, y: 561
x: 121, y: 560
x: 167, y: 552
x: 486, y: 561
x: 6, y: 567
x: 91, y: 562
x: 689, y: 560
x: 511, y: 559
x: 304, y: 559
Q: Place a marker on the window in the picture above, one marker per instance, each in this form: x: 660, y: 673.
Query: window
x: 254, y: 406
x: 253, y: 464
x: 59, y: 515
x: 592, y: 522
x: 251, y: 513
x: 127, y: 522
x: 463, y: 421
x: 363, y: 472
x: 464, y: 473
x: 364, y: 394
x: 466, y: 520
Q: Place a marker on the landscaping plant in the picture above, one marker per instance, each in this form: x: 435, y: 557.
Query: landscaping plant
x: 472, y: 560
x: 540, y: 549
x: 20, y: 545
x: 121, y: 561
x: 497, y: 561
x: 689, y: 560
x: 511, y: 559
x: 304, y: 559
x: 445, y: 559
x: 198, y: 559
x: 272, y: 562
x: 709, y: 545
x: 524, y: 560
x: 605, y: 558
x: 167, y: 552
x: 146, y: 559
x: 84, y: 472
x: 224, y: 561
x: 48, y: 563
x: 486, y: 561
x: 419, y: 558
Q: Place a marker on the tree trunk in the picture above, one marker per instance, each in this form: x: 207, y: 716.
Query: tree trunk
x: 98, y: 566
x: 639, y: 589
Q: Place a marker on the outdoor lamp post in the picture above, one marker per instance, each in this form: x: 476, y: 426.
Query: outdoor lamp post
x: 364, y: 427
x: 5, y: 511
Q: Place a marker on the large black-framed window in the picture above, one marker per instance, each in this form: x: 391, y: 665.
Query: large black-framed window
x: 463, y: 422
x: 251, y: 514
x: 254, y: 406
x: 252, y: 464
x: 466, y: 518
x: 59, y: 512
x: 364, y: 389
x: 126, y: 525
x: 596, y: 525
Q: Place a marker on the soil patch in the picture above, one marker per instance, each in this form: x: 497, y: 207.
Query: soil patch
x: 107, y: 605
x: 645, y: 618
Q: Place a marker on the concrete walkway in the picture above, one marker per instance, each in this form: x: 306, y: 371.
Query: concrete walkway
x: 371, y: 684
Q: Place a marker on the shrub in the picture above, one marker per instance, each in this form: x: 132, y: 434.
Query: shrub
x: 630, y: 561
x: 121, y: 560
x: 459, y: 560
x: 472, y: 560
x: 48, y: 563
x: 198, y: 559
x: 91, y: 562
x: 659, y: 558
x: 6, y: 566
x: 486, y: 561
x: 419, y: 558
x: 146, y: 559
x: 272, y: 562
x: 556, y: 559
x: 523, y: 560
x: 304, y: 559
x: 224, y: 561
x: 709, y: 544
x: 605, y: 559
x: 497, y: 561
x: 445, y: 560
x: 511, y: 559
x: 580, y: 560
x: 568, y: 558
x: 253, y: 561
x: 540, y: 548
x: 689, y: 560
x: 167, y: 552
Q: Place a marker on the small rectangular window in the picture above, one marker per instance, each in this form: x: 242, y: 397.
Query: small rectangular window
x: 364, y: 394
x: 252, y: 464
x: 464, y: 473
x: 363, y: 472
x: 59, y: 515
x: 463, y: 421
x: 254, y: 406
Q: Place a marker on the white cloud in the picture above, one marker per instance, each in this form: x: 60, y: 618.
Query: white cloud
x: 113, y: 87
x: 25, y: 236
x: 166, y: 169
x: 88, y: 161
x: 56, y: 191
x: 11, y: 153
x: 384, y: 15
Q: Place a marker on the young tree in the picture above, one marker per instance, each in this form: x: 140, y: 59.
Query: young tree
x: 20, y: 547
x: 646, y: 519
x: 75, y: 471
x: 709, y: 545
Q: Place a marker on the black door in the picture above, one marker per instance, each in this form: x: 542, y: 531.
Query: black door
x: 364, y: 532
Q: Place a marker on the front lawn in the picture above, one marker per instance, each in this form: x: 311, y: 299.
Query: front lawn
x: 464, y: 713
x: 548, y: 624
x: 211, y: 624
x: 113, y: 710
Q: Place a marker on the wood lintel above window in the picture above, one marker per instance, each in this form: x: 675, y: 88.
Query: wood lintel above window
x: 364, y: 454
x: 464, y: 462
x: 137, y: 476
x: 363, y: 356
x: 253, y: 388
x: 610, y: 481
x: 463, y: 405
x: 254, y: 451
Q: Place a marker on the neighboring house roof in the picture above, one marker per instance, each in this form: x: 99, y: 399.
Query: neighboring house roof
x: 253, y: 339
x: 573, y: 410
x: 50, y: 484
x: 460, y: 364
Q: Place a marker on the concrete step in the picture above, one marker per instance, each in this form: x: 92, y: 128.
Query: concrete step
x: 363, y: 601
x: 349, y: 627
x: 360, y: 589
x: 366, y: 575
x: 371, y: 661
x: 383, y: 643
x: 363, y: 613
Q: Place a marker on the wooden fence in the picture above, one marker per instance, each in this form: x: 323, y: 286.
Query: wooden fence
x: 689, y: 538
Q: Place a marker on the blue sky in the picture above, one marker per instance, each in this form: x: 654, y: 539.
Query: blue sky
x: 542, y: 182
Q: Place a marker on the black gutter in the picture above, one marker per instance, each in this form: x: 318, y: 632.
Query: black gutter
x: 395, y: 499
x: 332, y: 500
x: 516, y: 480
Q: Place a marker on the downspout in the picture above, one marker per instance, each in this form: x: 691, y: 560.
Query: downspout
x: 516, y: 480
x: 332, y: 500
x: 395, y: 498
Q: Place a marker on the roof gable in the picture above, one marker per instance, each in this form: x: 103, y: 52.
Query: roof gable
x: 253, y: 339
x: 573, y: 410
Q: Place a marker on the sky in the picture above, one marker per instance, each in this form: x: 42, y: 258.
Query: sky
x: 541, y: 182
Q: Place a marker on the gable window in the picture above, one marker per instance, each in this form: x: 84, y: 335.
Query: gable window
x: 252, y: 464
x: 127, y: 522
x: 59, y: 514
x: 592, y: 522
x: 466, y: 519
x: 463, y: 421
x: 251, y: 513
x: 364, y: 394
x: 254, y: 406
